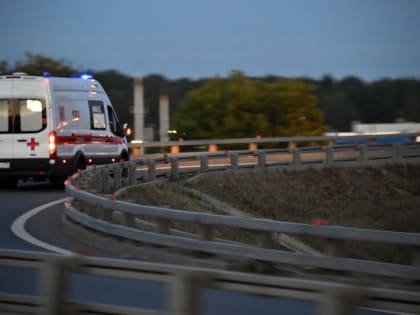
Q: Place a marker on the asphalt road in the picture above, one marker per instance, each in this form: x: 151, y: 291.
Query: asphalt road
x: 15, y: 202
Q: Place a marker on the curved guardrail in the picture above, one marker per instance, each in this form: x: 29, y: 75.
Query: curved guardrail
x: 101, y: 211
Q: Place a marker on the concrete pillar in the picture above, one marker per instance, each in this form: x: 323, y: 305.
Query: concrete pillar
x: 164, y: 118
x: 138, y: 109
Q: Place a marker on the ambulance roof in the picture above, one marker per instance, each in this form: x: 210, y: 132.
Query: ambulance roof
x: 59, y: 83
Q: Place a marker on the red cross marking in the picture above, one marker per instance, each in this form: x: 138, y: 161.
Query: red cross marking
x: 32, y: 144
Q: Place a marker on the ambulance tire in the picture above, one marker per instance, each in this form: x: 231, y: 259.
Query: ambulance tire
x: 8, y: 182
x: 80, y: 165
x: 58, y: 181
x: 124, y: 156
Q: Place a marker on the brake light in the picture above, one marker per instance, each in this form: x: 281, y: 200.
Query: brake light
x: 52, y: 144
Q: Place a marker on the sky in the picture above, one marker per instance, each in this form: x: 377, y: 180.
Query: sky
x: 370, y: 39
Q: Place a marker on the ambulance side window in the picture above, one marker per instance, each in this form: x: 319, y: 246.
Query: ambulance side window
x: 5, y: 116
x: 114, y: 124
x: 97, y: 115
x: 32, y: 115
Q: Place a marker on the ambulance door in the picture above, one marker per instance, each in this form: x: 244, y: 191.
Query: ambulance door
x: 30, y: 122
x: 98, y: 148
x: 6, y: 134
x: 115, y: 132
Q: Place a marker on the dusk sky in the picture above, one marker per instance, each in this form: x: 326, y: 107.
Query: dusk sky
x: 371, y: 39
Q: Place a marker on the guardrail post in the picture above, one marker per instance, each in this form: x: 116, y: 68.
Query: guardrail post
x: 163, y: 226
x: 117, y: 177
x: 81, y: 207
x: 55, y: 285
x: 397, y: 152
x: 261, y: 159
x: 184, y: 296
x: 174, y: 168
x: 129, y: 219
x: 233, y: 161
x: 204, y: 164
x: 297, y: 163
x: 98, y: 181
x: 331, y: 247
x: 263, y: 241
x: 107, y: 215
x: 416, y: 256
x: 151, y: 170
x: 206, y: 232
x: 364, y: 155
x: 329, y: 156
x: 95, y: 211
x: 340, y: 301
x: 131, y: 174
x: 105, y: 180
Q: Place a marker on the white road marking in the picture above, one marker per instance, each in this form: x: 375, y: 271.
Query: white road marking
x: 18, y: 228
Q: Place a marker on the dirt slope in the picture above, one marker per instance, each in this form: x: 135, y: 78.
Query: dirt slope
x: 384, y: 198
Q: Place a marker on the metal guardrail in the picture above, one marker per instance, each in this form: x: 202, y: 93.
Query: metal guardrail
x: 102, y: 217
x: 290, y: 142
x: 186, y: 287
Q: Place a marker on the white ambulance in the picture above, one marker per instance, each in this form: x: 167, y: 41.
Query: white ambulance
x: 51, y: 126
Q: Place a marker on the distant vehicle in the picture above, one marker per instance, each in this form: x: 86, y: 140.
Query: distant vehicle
x: 50, y: 127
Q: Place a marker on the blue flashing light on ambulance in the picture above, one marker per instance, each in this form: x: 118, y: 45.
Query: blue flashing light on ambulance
x: 51, y: 126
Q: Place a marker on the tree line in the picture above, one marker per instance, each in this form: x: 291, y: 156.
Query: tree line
x: 243, y: 106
